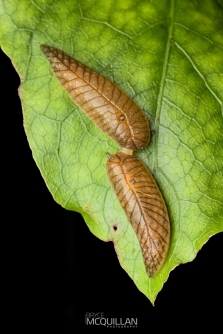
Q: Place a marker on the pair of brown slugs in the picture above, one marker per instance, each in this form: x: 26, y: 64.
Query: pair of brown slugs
x: 117, y: 115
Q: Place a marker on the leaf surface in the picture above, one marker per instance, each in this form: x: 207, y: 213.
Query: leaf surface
x: 166, y: 55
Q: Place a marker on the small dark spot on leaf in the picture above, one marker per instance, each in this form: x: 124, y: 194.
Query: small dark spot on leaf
x: 108, y: 155
x: 121, y: 118
x: 115, y: 228
x: 132, y: 181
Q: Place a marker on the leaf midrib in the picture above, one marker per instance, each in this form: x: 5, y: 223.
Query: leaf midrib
x: 162, y: 83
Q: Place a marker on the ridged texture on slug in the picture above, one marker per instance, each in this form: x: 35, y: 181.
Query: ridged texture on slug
x: 144, y: 206
x: 113, y: 111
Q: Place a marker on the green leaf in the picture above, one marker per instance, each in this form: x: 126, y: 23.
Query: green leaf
x: 167, y: 55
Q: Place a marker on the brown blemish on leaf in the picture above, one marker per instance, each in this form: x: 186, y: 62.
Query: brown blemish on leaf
x: 143, y: 205
x: 106, y: 104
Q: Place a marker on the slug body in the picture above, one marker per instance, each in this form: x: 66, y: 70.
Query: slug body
x: 113, y: 111
x: 144, y: 206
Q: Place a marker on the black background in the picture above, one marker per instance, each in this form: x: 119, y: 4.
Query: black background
x: 56, y: 270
